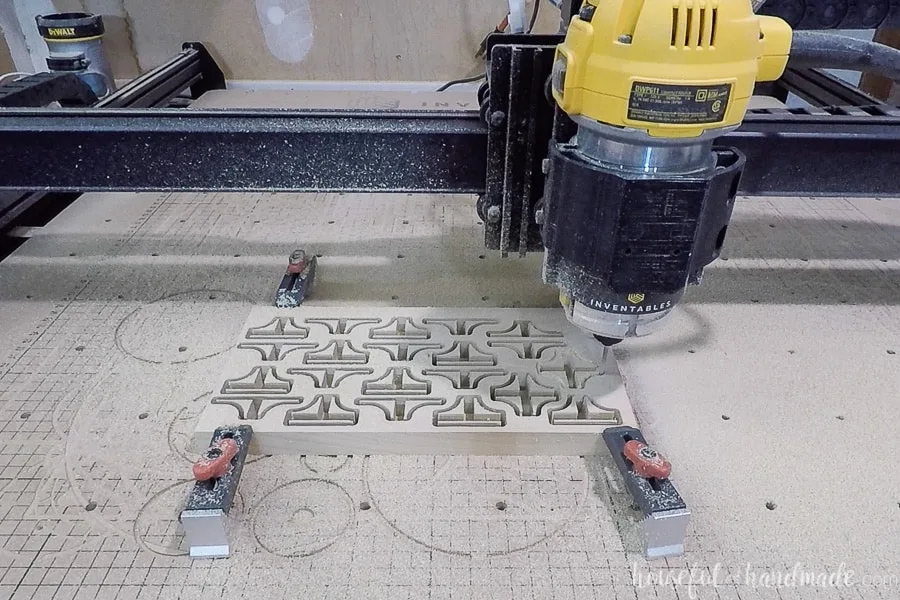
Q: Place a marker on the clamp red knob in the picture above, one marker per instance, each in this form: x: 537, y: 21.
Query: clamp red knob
x: 297, y: 262
x: 216, y: 460
x: 647, y: 462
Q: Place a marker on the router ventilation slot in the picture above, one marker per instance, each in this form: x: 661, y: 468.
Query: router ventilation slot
x: 694, y: 26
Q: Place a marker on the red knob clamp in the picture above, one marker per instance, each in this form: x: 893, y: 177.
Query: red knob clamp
x: 297, y: 262
x: 646, y: 461
x: 216, y: 460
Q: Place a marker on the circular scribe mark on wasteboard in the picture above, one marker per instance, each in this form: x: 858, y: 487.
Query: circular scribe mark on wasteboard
x: 402, y: 495
x: 302, y: 517
x: 212, y: 327
x: 325, y: 464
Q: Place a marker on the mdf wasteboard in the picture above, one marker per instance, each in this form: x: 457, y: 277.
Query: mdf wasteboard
x: 116, y: 316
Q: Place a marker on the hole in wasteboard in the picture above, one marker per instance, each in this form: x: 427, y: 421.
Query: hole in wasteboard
x: 891, y: 352
x: 107, y: 220
x: 182, y: 348
x: 482, y: 256
x: 772, y: 225
x: 331, y: 222
x: 155, y: 254
x: 79, y: 348
x: 405, y: 222
x: 90, y: 506
x: 25, y: 415
x: 726, y: 418
x: 143, y: 416
x: 501, y: 505
x: 212, y: 296
x: 771, y: 505
x: 485, y: 298
x: 840, y: 417
x: 364, y: 505
x: 401, y: 256
x: 73, y: 254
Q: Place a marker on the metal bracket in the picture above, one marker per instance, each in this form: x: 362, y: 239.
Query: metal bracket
x: 41, y: 89
x: 203, y: 517
x: 519, y: 116
x: 211, y: 76
x: 666, y: 516
x: 297, y: 281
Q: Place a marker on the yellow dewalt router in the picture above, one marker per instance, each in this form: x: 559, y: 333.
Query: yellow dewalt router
x: 639, y: 201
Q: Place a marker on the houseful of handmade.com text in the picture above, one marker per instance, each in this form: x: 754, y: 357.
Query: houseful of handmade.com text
x: 695, y: 577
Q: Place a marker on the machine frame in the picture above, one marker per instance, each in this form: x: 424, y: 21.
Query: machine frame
x: 844, y: 145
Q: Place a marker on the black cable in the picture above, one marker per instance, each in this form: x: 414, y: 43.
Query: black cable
x: 827, y: 50
x: 534, y: 15
x: 459, y: 81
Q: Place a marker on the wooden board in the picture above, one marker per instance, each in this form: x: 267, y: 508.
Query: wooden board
x: 348, y: 39
x: 330, y: 380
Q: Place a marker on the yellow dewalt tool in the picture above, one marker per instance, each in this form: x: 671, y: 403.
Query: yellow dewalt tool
x: 671, y: 68
x: 638, y: 202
